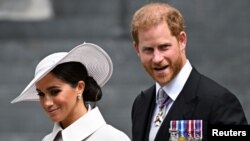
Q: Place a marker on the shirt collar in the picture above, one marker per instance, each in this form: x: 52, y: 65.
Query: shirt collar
x: 81, y: 128
x: 174, y: 87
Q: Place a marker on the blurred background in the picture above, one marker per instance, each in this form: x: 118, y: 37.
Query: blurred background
x: 218, y: 46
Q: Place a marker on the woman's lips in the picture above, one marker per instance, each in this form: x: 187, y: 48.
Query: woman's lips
x: 52, y: 111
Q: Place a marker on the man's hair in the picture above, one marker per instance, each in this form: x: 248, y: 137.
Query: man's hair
x: 153, y: 14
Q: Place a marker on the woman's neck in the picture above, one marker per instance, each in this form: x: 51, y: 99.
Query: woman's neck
x: 78, y: 111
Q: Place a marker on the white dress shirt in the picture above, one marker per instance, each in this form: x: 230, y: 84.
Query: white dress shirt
x: 172, y: 89
x: 89, y: 127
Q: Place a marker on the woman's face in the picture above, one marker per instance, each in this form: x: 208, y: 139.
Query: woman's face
x: 59, y: 99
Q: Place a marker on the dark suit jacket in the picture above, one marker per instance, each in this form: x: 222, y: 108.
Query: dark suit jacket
x: 201, y: 98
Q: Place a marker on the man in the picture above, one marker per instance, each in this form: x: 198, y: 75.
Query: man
x: 160, y: 42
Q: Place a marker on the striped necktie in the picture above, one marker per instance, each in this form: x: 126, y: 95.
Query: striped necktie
x: 162, y: 100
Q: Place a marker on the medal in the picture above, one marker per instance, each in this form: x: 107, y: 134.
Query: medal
x: 190, y: 129
x: 185, y: 130
x: 198, y: 130
x: 182, y: 129
x: 189, y: 137
x: 182, y: 138
x: 173, y: 136
x: 162, y: 100
x: 173, y: 130
x: 158, y: 118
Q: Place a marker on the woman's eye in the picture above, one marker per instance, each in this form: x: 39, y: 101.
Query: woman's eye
x: 55, y: 92
x: 40, y: 94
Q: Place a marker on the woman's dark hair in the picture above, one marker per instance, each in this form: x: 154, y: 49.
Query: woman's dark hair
x: 72, y: 73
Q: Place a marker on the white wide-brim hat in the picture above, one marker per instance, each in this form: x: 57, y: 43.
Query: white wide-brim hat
x: 94, y: 58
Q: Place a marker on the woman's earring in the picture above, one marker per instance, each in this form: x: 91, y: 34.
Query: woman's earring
x: 79, y: 96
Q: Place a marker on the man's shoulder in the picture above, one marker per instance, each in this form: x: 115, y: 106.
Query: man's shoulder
x: 212, y: 85
x: 208, y: 88
x: 208, y: 83
x: 148, y: 92
x: 145, y: 96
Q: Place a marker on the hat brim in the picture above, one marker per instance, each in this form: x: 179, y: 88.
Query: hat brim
x: 94, y: 58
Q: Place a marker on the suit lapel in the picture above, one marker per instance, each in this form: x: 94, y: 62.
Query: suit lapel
x: 144, y: 113
x: 183, y: 107
x: 151, y: 111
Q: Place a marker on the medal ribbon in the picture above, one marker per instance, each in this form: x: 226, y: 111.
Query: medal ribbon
x: 198, y: 128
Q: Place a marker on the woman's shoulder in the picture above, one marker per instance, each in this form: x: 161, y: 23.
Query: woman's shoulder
x: 49, y: 136
x: 46, y: 137
x: 109, y: 133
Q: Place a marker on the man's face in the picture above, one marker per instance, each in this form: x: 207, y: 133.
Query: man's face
x: 161, y: 54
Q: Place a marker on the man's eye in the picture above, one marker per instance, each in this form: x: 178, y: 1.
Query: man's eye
x: 147, y: 50
x: 164, y: 47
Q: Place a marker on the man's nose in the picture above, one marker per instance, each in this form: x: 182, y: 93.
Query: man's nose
x: 157, y: 56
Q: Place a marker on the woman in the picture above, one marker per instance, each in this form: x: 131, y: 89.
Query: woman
x: 64, y: 83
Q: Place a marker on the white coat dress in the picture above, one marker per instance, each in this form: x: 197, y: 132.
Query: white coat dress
x: 89, y: 127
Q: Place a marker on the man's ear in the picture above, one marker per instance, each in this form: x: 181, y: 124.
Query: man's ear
x: 183, y: 40
x: 136, y: 47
